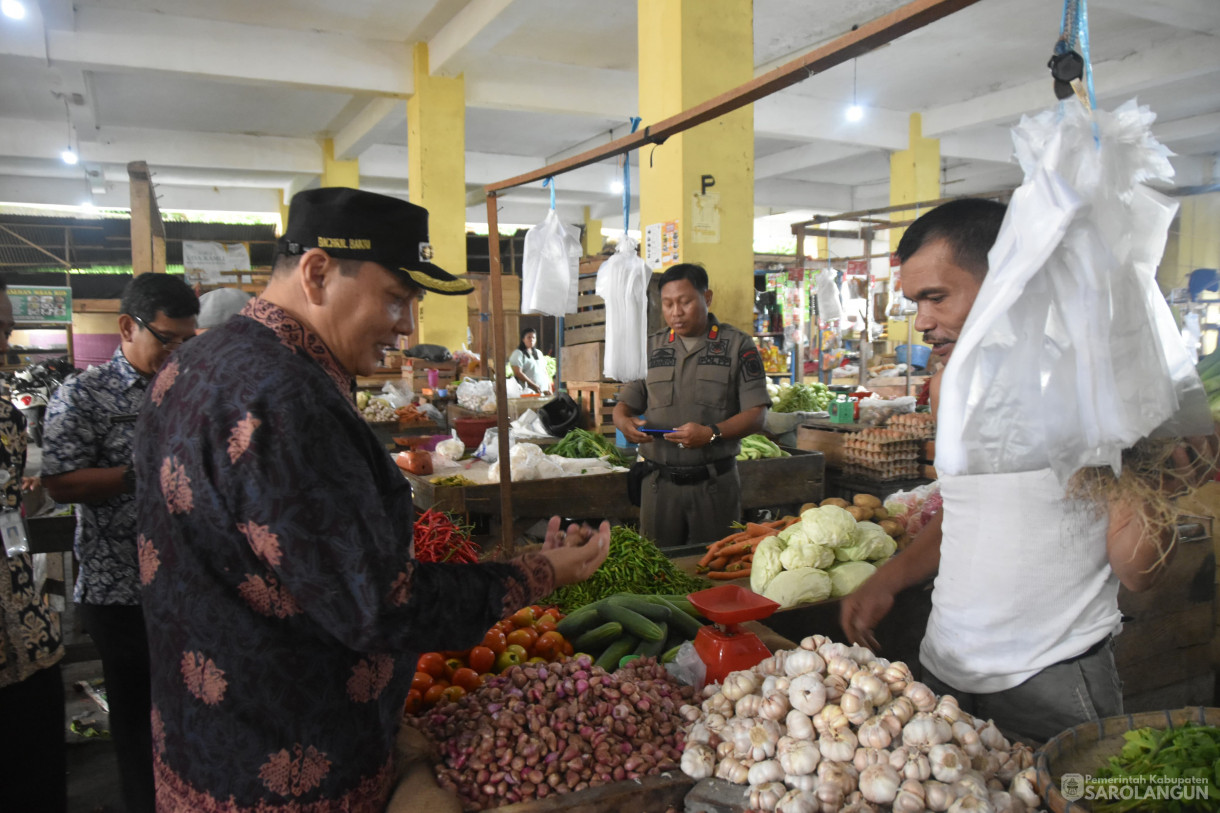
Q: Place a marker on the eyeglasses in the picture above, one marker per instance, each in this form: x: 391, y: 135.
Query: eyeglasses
x: 171, y: 344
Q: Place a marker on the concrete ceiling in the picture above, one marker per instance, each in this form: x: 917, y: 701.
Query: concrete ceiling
x: 227, y: 100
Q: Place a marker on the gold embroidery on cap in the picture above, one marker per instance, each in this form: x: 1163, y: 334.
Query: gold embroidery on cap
x: 343, y: 242
x: 432, y: 283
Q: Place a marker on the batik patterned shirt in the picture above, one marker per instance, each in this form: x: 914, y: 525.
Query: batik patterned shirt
x: 285, y: 610
x: 78, y: 433
x: 29, y: 628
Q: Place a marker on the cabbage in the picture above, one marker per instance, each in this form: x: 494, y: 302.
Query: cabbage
x: 793, y: 534
x: 829, y: 525
x: 799, y: 586
x: 766, y: 564
x: 846, y: 577
x: 807, y: 554
x: 870, y: 542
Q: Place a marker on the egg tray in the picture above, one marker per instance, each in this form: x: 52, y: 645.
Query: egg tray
x: 878, y: 458
x: 879, y: 465
x: 887, y: 446
x: 883, y: 475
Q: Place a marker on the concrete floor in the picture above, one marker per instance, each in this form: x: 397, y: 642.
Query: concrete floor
x: 93, y: 773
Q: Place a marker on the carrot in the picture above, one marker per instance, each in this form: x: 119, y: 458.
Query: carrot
x: 736, y: 566
x: 736, y: 574
x: 756, y: 529
x: 707, y: 558
x: 718, y: 563
x: 737, y: 548
x: 789, y: 522
x: 714, y: 549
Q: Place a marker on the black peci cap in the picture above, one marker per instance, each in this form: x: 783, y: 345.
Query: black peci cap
x: 350, y: 224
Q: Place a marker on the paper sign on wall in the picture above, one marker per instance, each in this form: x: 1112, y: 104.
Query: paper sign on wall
x: 661, y: 244
x: 203, y: 262
x: 40, y: 303
x: 705, y: 218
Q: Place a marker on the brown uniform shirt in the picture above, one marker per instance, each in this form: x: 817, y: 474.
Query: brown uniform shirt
x: 721, y: 375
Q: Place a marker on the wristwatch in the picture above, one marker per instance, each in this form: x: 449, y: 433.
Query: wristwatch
x: 715, y: 432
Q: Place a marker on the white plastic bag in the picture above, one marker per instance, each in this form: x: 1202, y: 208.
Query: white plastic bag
x: 830, y: 306
x: 451, y: 449
x: 1069, y: 354
x: 550, y: 267
x: 622, y: 281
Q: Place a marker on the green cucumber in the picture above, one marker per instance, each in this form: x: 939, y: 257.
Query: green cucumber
x: 579, y: 621
x: 683, y: 603
x: 669, y: 655
x: 598, y: 637
x: 615, y: 652
x: 653, y: 649
x: 633, y: 622
x: 653, y: 610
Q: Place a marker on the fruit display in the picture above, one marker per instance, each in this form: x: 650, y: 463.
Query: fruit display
x: 529, y: 635
x: 623, y: 624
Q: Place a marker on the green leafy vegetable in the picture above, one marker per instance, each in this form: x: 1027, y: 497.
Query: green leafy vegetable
x: 1187, y: 756
x: 583, y: 443
x: 803, y: 398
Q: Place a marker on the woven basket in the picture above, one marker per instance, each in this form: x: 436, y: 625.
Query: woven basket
x: 1085, y: 748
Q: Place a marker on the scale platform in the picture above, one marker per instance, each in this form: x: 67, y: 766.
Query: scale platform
x: 722, y: 645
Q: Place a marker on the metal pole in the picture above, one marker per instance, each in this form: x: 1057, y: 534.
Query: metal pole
x: 497, y: 371
x: 865, y: 345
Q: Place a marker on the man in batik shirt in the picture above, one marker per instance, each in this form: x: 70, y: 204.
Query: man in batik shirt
x: 285, y: 608
x: 86, y: 460
x: 32, y: 756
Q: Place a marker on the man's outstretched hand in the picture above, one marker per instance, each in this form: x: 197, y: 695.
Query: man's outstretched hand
x: 577, y: 552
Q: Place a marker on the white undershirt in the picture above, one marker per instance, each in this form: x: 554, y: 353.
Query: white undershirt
x: 1024, y: 581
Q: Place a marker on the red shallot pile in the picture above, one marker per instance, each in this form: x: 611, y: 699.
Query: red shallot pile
x: 546, y: 728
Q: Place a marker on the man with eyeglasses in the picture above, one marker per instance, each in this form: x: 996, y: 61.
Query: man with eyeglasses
x: 86, y: 460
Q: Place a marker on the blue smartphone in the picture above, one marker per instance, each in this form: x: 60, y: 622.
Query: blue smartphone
x: 655, y: 431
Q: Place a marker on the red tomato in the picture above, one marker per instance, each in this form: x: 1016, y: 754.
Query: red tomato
x: 526, y: 637
x: 523, y: 617
x: 451, y: 666
x: 544, y: 626
x: 546, y: 618
x: 482, y: 659
x: 568, y: 649
x: 415, y: 702
x: 432, y: 663
x: 453, y: 692
x: 467, y: 678
x: 495, y: 640
x: 421, y: 682
x: 548, y: 645
x: 434, y: 692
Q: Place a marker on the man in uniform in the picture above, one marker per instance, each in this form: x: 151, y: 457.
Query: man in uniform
x: 706, y: 386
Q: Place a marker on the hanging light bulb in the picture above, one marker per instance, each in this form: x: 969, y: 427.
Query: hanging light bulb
x: 13, y: 9
x: 855, y: 112
x: 616, y: 187
x: 69, y: 157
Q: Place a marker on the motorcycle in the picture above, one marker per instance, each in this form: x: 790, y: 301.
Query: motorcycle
x: 31, y: 388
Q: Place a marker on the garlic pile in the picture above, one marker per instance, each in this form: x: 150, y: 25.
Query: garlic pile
x: 830, y: 727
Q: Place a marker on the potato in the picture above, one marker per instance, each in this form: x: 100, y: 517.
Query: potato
x: 892, y: 527
x: 836, y: 501
x: 880, y: 514
x: 860, y: 514
x: 807, y: 506
x: 866, y: 501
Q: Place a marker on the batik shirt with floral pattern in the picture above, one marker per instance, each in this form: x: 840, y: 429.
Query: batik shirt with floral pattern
x: 79, y: 434
x: 29, y: 628
x: 285, y: 610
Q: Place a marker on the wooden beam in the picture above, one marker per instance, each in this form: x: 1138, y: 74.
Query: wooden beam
x: 141, y: 218
x: 867, y: 37
x: 496, y: 370
x: 861, y: 214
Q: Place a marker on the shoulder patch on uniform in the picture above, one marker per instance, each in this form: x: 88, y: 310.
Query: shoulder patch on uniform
x: 751, y: 364
x: 662, y: 357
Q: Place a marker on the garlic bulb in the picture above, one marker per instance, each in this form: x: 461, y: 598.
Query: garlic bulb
x: 972, y: 783
x: 897, y: 675
x: 835, y: 686
x: 700, y: 733
x: 830, y: 718
x: 910, y: 798
x: 715, y: 722
x: 875, y: 689
x: 986, y: 763
x: 926, y: 730
x: 718, y: 703
x: 769, y: 666
x: 747, y: 706
x: 861, y: 654
x: 857, y: 804
x: 801, y: 661
x: 763, y: 736
x: 798, y: 757
x: 890, y: 723
x: 948, y: 708
x: 799, y: 725
x: 843, y: 667
x: 901, y: 708
x: 798, y: 801
x: 807, y: 694
x: 732, y: 770
x: 879, y: 783
x: 838, y: 745
x: 766, y: 797
x: 835, y: 781
x: 949, y: 763
x: 774, y: 706
x: 938, y: 796
x: 921, y: 695
x: 864, y: 757
x: 709, y: 690
x: 875, y: 734
x: 1003, y: 802
x: 738, y: 684
x: 965, y: 736
x: 856, y: 706
x: 971, y: 804
x: 911, y: 763
x: 689, y: 713
x: 807, y: 782
x: 831, y: 649
x: 1024, y: 789
x: 814, y: 642
x: 760, y: 773
x: 992, y: 738
x: 698, y: 760
x: 725, y: 749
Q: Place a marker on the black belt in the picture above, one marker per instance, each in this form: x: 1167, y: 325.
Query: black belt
x: 689, y: 475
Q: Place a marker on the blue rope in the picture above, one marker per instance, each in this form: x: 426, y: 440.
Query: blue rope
x: 1082, y: 31
x: 550, y: 181
x: 635, y: 123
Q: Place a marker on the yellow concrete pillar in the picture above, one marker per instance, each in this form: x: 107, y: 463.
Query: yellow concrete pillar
x: 284, y: 202
x: 593, y: 235
x: 690, y: 51
x: 338, y: 173
x: 436, y: 179
x: 914, y: 175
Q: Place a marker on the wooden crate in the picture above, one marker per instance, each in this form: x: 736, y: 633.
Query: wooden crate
x: 417, y: 371
x: 588, y: 324
x: 591, y: 395
x: 583, y: 362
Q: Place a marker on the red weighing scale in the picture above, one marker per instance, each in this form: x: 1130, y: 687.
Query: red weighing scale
x: 721, y: 645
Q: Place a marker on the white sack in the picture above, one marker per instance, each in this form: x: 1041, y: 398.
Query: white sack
x: 550, y: 267
x: 622, y: 281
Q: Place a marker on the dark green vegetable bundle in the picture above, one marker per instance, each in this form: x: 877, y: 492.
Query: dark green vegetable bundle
x: 614, y: 627
x: 802, y: 398
x: 1172, y: 770
x: 583, y: 443
x: 633, y: 565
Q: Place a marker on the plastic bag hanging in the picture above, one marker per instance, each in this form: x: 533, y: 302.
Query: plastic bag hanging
x: 549, y: 267
x: 1069, y: 354
x: 622, y: 281
x: 830, y: 306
